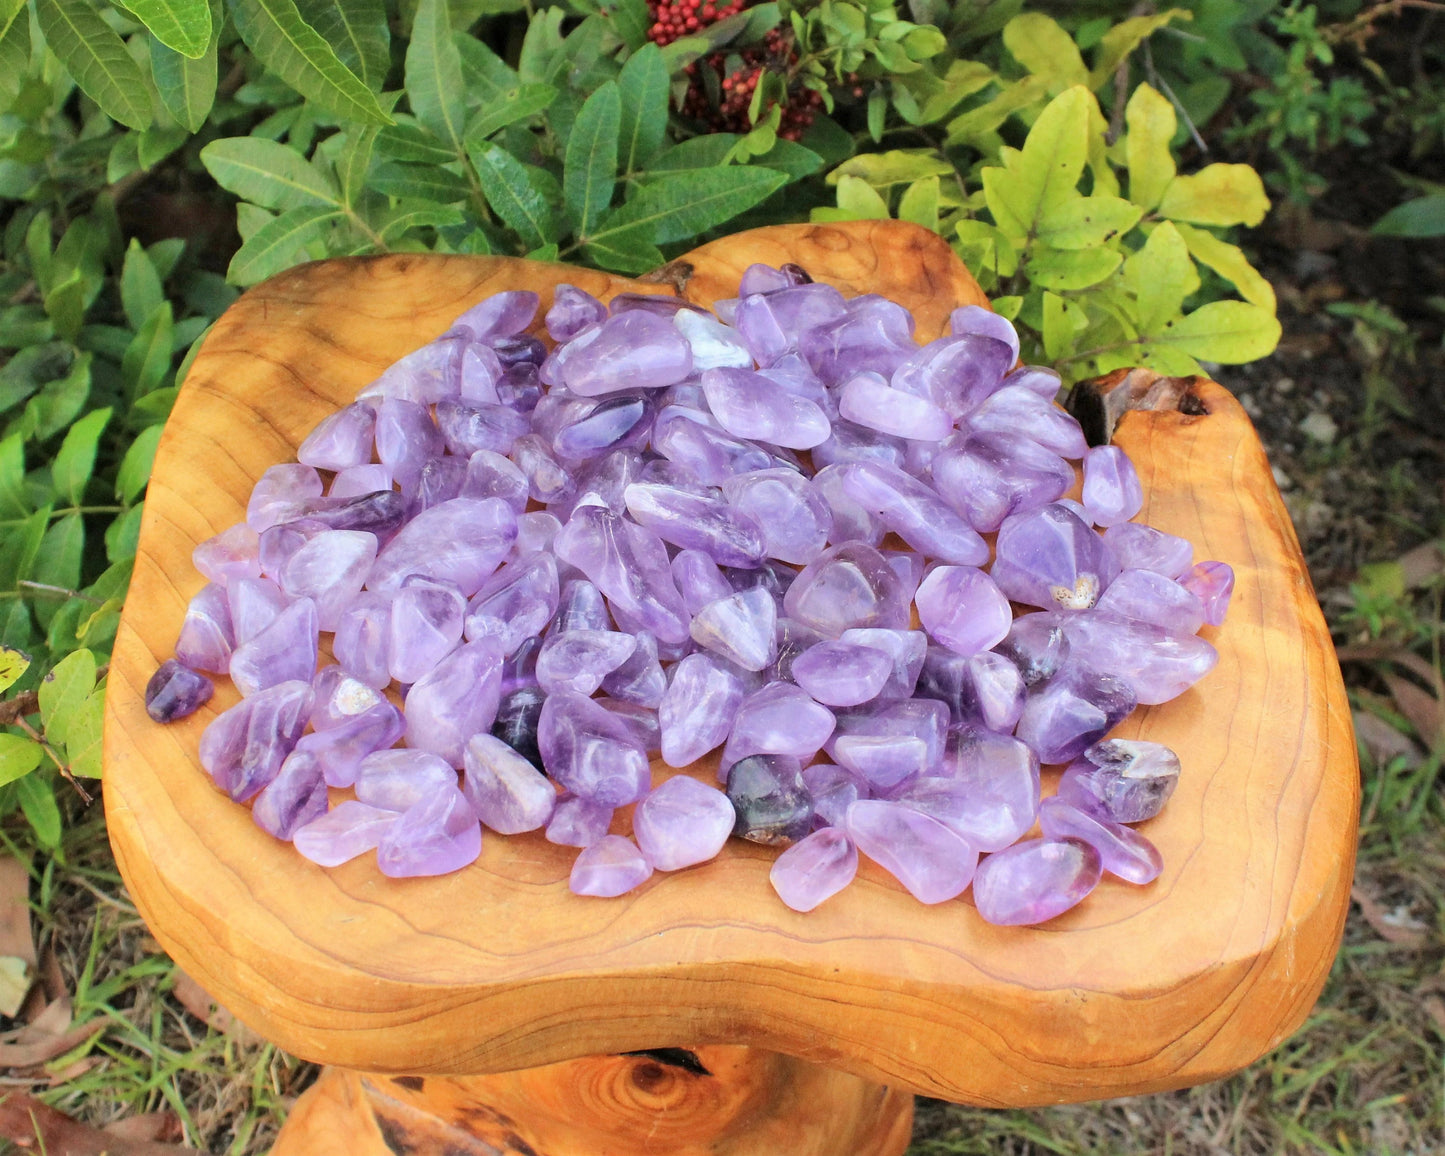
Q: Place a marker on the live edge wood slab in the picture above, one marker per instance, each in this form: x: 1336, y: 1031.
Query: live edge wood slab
x: 499, y: 968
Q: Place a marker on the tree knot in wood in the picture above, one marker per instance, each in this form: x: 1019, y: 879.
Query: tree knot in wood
x: 1101, y: 402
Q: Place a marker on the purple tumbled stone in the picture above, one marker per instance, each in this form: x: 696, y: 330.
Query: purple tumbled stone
x: 741, y: 628
x: 590, y: 751
x: 425, y: 626
x: 578, y: 660
x: 914, y: 512
x: 507, y: 792
x: 771, y: 324
x: 814, y: 869
x: 968, y: 319
x: 696, y: 521
x: 230, y: 556
x: 681, y: 823
x: 698, y: 709
x: 984, y: 689
x: 535, y: 533
x: 421, y: 377
x: 603, y: 482
x: 842, y: 673
x: 794, y: 519
x: 749, y: 405
x: 341, y: 440
x: 175, y: 691
x: 713, y: 344
x: 580, y: 606
x: 490, y: 475
x: 278, y: 543
x: 406, y: 436
x: 357, y: 481
x: 1123, y: 780
x: 1051, y: 557
x: 934, y: 863
x: 1144, y: 548
x: 833, y: 790
x: 851, y: 522
x: 873, y: 335
x: 914, y: 718
x: 284, y: 651
x: 997, y: 778
x: 243, y: 748
x: 963, y: 608
x: 438, y: 834
x: 1034, y: 881
x: 629, y: 564
x: 611, y: 866
x: 578, y: 822
x: 467, y: 427
x: 340, y: 750
x: 631, y: 350
x: 1213, y: 584
x: 330, y: 570
x: 1157, y: 664
x: 516, y: 602
x: 400, y: 778
x: 500, y: 315
x: 641, y: 679
x: 869, y: 401
x: 1017, y: 409
x: 547, y: 479
x: 1122, y: 851
x: 987, y: 477
x: 295, y: 797
x: 206, y: 639
x: 620, y: 421
x: 362, y: 640
x: 1112, y: 492
x: 351, y: 829
x: 340, y: 698
x: 1036, y: 645
x: 460, y: 541
x: 771, y: 799
x: 1073, y: 710
x: 779, y: 719
x: 882, y: 761
x: 279, y: 494
x: 478, y: 372
x: 956, y: 373
x: 850, y: 585
x: 1040, y: 379
x: 1148, y: 596
x: 572, y: 310
x: 440, y: 481
x: 454, y: 700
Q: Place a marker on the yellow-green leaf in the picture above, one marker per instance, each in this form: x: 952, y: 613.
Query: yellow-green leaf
x: 1065, y: 270
x: 278, y: 244
x: 894, y: 167
x: 1161, y: 276
x: 1038, y: 43
x: 96, y: 57
x: 1126, y: 36
x: 83, y: 745
x: 13, y: 663
x: 1165, y: 359
x: 1105, y: 182
x: 1045, y: 174
x: 962, y: 80
x: 919, y: 203
x: 982, y: 247
x: 1151, y: 123
x: 15, y: 981
x: 1218, y: 194
x: 18, y: 757
x: 1229, y: 332
x: 1063, y: 322
x: 860, y: 200
x: 1230, y: 263
x: 183, y: 25
x: 63, y: 690
x: 1083, y: 222
x: 975, y: 125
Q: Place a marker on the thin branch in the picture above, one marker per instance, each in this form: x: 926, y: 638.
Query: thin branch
x: 1163, y: 85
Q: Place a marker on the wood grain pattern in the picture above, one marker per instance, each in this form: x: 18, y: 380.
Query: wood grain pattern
x: 747, y: 1102
x: 499, y: 967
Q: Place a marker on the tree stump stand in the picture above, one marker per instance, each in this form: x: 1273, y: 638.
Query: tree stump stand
x: 493, y: 1010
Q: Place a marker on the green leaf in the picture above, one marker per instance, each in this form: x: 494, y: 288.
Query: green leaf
x: 1422, y: 217
x: 962, y: 80
x: 643, y: 84
x: 266, y: 173
x: 76, y: 458
x: 14, y: 56
x: 589, y: 172
x: 1124, y: 37
x: 624, y: 253
x: 1151, y: 122
x: 353, y: 164
x: 147, y: 358
x: 13, y: 503
x: 1229, y: 332
x: 1066, y: 270
x: 860, y: 201
x: 919, y: 203
x: 1230, y: 263
x: 977, y: 126
x: 95, y: 56
x: 792, y: 158
x: 59, y: 402
x: 37, y: 800
x: 512, y: 195
x: 1219, y: 194
x: 434, y: 74
x: 65, y: 304
x: 357, y: 31
x: 426, y: 182
x: 406, y: 141
x: 519, y: 103
x: 181, y: 25
x: 58, y: 561
x: 1161, y: 276
x: 983, y: 247
x: 62, y: 690
x: 1062, y: 323
x: 21, y: 546
x: 1044, y: 175
x: 18, y: 756
x: 135, y: 467
x: 9, y: 10
x: 13, y: 664
x: 187, y: 87
x: 416, y: 215
x: 275, y: 31
x: 632, y: 19
x: 894, y: 167
x: 1086, y: 222
x: 1038, y: 43
x: 700, y: 154
x: 83, y: 739
x: 277, y: 245
x: 682, y: 205
x: 140, y: 285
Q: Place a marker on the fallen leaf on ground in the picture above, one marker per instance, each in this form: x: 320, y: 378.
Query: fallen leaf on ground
x: 1382, y: 740
x: 28, y: 1055
x: 1435, y: 1009
x: 1392, y: 926
x: 36, y: 1127
x: 162, y: 1127
x: 17, y: 942
x: 196, y: 1000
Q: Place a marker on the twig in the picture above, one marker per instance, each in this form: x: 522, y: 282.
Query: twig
x: 58, y: 591
x: 1121, y: 97
x: 1163, y: 85
x: 54, y: 758
x: 29, y: 702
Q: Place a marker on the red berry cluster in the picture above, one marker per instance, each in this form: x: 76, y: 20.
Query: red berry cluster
x: 729, y: 113
x: 673, y: 19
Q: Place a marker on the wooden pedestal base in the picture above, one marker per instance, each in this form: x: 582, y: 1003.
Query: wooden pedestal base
x: 732, y: 1101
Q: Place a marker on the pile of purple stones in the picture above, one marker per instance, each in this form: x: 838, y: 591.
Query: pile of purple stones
x: 686, y: 534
